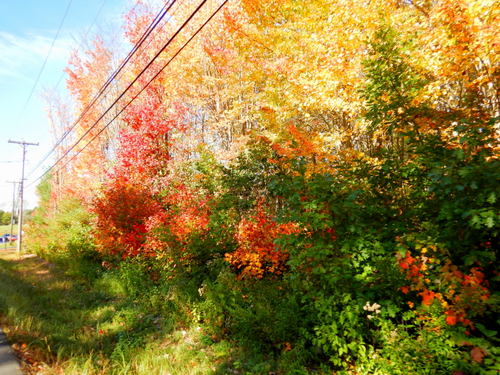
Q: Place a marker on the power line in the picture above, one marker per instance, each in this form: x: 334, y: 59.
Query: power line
x: 166, y: 7
x: 103, y: 88
x: 147, y: 84
x: 46, y: 59
x: 130, y: 84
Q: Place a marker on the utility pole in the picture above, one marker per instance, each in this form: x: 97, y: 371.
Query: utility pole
x: 13, y: 209
x: 21, y: 193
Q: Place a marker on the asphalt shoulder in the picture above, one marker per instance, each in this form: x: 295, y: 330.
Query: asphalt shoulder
x: 9, y: 365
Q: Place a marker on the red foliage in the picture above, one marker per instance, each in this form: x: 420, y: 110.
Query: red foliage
x: 466, y: 293
x: 477, y: 354
x: 121, y: 212
x: 184, y: 212
x: 462, y: 295
x: 451, y: 318
x: 405, y: 289
x: 257, y: 252
x: 145, y: 145
x: 427, y: 297
x: 129, y: 208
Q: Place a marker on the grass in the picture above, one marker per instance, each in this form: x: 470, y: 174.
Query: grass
x: 60, y: 322
x: 6, y: 229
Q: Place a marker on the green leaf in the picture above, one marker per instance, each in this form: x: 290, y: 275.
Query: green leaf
x: 487, y: 332
x: 492, y: 198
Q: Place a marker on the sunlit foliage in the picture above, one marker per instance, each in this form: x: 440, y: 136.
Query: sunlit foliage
x: 343, y: 153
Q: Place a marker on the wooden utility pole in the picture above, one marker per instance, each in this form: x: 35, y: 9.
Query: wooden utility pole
x: 21, y: 193
x: 13, y: 209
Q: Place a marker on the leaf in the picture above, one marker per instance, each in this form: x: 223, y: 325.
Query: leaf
x: 487, y: 332
x: 477, y: 354
x: 491, y: 198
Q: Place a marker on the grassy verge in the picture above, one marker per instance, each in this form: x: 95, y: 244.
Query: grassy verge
x: 6, y: 229
x: 61, y: 323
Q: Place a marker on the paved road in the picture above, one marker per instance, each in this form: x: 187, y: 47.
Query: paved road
x: 8, y: 362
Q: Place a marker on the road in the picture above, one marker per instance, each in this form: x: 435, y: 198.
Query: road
x: 9, y: 364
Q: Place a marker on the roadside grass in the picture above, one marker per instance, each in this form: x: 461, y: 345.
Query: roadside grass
x: 61, y: 323
x: 6, y: 229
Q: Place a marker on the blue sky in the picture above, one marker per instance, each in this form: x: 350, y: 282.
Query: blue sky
x: 27, y: 29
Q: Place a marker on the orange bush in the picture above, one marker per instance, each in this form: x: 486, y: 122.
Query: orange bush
x: 257, y: 252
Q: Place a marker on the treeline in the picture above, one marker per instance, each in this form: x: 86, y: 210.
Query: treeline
x: 316, y: 183
x: 5, y: 217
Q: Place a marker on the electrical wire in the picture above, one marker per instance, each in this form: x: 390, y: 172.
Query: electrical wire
x: 87, y: 32
x: 131, y: 83
x: 145, y: 86
x: 45, y: 61
x: 166, y: 7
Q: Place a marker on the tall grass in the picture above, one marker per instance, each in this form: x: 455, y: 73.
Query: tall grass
x: 60, y: 323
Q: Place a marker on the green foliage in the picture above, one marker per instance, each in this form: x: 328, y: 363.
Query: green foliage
x: 66, y: 230
x: 5, y: 217
x: 391, y: 83
x: 249, y: 178
x: 390, y: 267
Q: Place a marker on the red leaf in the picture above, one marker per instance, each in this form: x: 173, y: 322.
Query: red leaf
x: 477, y: 354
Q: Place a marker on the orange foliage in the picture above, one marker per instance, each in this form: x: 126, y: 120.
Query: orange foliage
x: 85, y: 75
x: 184, y: 213
x: 461, y: 295
x: 121, y: 212
x: 257, y: 253
x: 301, y: 145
